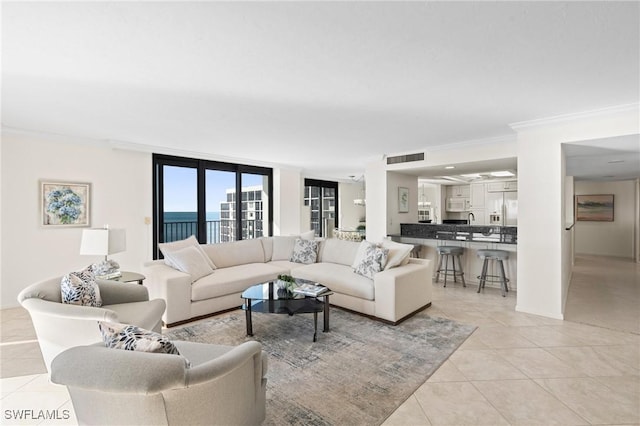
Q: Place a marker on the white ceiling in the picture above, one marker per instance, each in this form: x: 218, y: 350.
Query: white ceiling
x: 322, y: 86
x: 604, y: 159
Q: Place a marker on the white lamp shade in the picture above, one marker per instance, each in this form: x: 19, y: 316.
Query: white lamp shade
x: 103, y: 241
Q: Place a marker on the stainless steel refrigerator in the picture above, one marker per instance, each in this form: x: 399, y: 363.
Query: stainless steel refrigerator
x: 502, y: 208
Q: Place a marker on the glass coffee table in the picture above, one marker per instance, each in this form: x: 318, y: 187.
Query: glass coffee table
x: 267, y: 298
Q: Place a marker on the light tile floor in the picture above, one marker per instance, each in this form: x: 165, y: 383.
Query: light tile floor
x: 515, y: 368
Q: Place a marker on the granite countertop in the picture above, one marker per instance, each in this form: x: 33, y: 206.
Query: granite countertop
x: 478, y: 233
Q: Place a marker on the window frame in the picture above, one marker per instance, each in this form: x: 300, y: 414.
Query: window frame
x: 201, y: 166
x: 321, y: 184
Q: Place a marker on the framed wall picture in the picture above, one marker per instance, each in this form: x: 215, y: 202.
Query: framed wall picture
x: 403, y: 200
x: 598, y: 208
x: 65, y: 203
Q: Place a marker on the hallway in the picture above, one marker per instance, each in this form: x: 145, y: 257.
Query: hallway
x: 605, y: 291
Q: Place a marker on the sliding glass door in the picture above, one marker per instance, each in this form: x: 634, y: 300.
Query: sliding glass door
x: 322, y: 198
x: 220, y: 205
x: 198, y: 197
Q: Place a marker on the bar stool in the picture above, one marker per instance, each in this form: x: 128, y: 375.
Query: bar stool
x: 493, y: 256
x: 454, y: 252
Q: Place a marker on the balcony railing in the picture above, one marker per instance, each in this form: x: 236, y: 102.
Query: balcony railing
x: 217, y: 230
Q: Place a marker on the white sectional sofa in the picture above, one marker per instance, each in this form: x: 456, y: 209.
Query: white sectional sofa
x: 392, y: 295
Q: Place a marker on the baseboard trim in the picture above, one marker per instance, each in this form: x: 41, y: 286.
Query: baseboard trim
x: 198, y: 318
x: 422, y: 308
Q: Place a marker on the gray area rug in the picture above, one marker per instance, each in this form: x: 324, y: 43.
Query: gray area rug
x: 356, y: 374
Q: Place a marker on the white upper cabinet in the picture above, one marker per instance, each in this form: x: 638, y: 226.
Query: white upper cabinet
x: 477, y: 195
x: 458, y: 191
x: 507, y: 186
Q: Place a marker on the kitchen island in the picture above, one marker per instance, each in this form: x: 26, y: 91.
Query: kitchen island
x: 472, y: 238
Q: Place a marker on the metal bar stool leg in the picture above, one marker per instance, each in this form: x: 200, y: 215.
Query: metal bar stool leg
x: 464, y: 284
x: 483, y: 274
x: 439, y: 268
x: 453, y: 265
x: 446, y: 269
x: 503, y: 277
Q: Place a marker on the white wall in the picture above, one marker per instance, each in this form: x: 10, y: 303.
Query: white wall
x: 350, y: 214
x: 288, y: 202
x: 121, y: 197
x: 544, y: 260
x: 376, y: 178
x: 608, y: 238
x: 395, y: 218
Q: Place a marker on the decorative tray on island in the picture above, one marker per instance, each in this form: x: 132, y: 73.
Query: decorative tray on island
x: 312, y: 290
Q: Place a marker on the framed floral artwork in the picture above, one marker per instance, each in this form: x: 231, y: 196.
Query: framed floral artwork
x: 403, y: 200
x: 65, y: 203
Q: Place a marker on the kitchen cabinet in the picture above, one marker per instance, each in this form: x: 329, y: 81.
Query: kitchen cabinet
x: 477, y: 191
x: 458, y: 191
x: 506, y: 186
x: 424, y: 211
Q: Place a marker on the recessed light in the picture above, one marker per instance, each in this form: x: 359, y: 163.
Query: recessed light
x: 503, y: 173
x: 615, y: 161
x: 450, y: 167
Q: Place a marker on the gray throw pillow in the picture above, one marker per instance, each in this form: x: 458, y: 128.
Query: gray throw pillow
x: 370, y: 259
x: 304, y: 251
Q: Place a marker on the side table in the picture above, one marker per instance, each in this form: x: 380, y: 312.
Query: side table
x: 129, y: 277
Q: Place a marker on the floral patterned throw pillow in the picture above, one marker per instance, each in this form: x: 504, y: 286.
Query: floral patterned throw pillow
x: 304, y: 251
x: 132, y: 338
x: 370, y: 259
x: 80, y: 288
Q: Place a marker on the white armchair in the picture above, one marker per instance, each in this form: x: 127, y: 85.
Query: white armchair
x: 225, y: 385
x: 60, y: 326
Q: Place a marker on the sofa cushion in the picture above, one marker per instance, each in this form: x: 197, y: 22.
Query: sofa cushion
x: 191, y: 261
x: 235, y: 253
x: 283, y: 247
x: 284, y: 265
x: 308, y: 235
x: 234, y: 279
x: 304, y: 251
x: 370, y: 259
x: 338, y: 251
x: 267, y: 247
x: 80, y: 288
x: 166, y: 248
x: 338, y: 278
x: 398, y: 253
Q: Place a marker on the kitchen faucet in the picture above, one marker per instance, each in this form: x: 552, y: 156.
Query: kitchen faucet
x: 470, y: 216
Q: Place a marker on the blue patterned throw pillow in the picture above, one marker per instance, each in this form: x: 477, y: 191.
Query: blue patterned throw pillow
x: 304, y: 251
x: 132, y: 338
x: 80, y: 288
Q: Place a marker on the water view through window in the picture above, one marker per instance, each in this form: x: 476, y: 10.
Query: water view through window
x: 225, y: 216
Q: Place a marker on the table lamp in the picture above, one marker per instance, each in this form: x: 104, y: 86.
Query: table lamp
x: 103, y: 242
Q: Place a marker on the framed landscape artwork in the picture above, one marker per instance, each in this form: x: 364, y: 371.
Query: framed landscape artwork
x: 403, y: 200
x: 65, y: 204
x: 598, y: 208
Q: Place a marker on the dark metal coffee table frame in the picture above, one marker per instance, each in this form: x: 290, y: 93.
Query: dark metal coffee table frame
x: 267, y: 298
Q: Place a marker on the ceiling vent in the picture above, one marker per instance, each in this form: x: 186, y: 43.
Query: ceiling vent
x: 405, y: 158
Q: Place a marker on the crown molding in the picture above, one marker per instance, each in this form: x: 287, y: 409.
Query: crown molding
x: 510, y: 138
x: 564, y: 118
x: 55, y: 137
